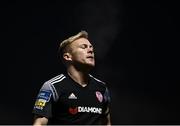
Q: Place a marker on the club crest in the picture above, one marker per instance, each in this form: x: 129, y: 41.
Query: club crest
x: 99, y: 96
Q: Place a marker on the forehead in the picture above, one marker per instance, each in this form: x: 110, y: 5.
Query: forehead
x: 81, y: 41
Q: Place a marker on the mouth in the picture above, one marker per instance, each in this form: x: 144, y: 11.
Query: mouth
x: 91, y: 57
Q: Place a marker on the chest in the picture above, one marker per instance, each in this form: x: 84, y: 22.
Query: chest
x: 81, y: 100
x: 76, y: 100
x: 82, y: 97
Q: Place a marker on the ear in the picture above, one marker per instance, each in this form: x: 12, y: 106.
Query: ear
x: 67, y: 56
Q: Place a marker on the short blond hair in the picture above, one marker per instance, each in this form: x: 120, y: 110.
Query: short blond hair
x: 82, y: 34
x: 64, y: 43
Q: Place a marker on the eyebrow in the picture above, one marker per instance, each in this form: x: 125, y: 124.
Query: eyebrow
x: 86, y: 45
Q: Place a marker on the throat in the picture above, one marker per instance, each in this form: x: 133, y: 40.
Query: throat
x: 80, y: 79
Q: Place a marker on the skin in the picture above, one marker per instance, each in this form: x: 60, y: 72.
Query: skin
x: 79, y: 60
x: 80, y: 55
x: 39, y: 121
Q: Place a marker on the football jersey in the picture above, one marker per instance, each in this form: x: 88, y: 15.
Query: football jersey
x: 63, y: 101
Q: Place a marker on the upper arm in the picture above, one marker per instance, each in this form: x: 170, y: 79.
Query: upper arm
x: 107, y: 101
x: 43, y: 104
x: 107, y: 112
x: 108, y: 119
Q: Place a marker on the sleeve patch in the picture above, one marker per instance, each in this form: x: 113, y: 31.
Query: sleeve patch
x: 40, y: 103
x: 46, y: 95
x: 42, y: 98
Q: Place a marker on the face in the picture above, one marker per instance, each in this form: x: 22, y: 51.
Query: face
x: 82, y: 52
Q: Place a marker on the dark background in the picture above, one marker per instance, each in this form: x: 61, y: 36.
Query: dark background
x: 137, y: 54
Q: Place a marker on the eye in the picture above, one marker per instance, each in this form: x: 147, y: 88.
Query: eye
x: 83, y: 46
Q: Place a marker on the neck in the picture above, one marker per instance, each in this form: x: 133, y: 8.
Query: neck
x: 81, y: 77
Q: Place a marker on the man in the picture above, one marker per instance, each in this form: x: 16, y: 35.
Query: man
x: 75, y: 97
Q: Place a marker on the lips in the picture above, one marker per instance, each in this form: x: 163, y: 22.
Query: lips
x: 91, y: 57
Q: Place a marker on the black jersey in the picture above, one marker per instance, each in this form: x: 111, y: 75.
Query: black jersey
x: 63, y: 101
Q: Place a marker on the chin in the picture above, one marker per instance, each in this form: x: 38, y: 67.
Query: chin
x: 90, y: 64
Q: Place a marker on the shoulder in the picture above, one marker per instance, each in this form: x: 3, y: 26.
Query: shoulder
x: 101, y: 85
x: 53, y: 81
x: 52, y: 84
x: 98, y: 81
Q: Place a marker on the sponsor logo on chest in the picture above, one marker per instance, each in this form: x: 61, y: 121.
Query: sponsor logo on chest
x: 85, y: 109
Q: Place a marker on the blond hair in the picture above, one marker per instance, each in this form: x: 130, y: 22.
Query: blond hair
x: 82, y: 34
x: 63, y: 44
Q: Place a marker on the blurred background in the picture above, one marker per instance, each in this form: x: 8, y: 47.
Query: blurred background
x: 137, y: 55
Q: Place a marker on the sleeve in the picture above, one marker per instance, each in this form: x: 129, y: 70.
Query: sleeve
x: 107, y: 101
x: 43, y: 104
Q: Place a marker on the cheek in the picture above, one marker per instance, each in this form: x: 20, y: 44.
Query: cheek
x: 78, y: 55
